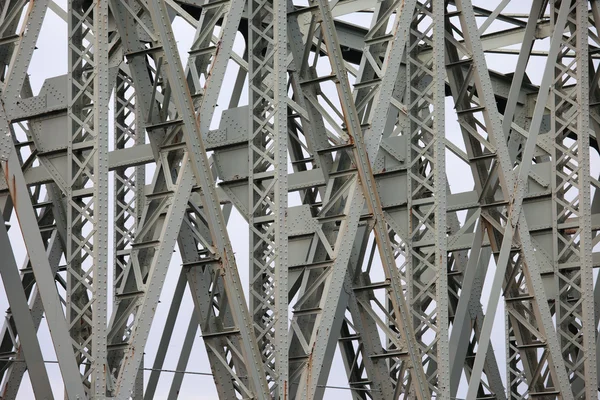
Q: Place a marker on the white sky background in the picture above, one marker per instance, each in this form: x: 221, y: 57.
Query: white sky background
x: 50, y: 59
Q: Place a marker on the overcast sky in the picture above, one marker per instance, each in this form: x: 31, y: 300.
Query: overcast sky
x: 50, y: 59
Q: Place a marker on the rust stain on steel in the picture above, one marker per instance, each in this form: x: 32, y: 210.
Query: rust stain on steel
x: 12, y: 184
x: 309, y: 368
x: 28, y: 12
x: 212, y: 65
x: 309, y: 364
x: 224, y: 263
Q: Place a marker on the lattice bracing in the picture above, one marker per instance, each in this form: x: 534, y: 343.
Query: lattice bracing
x: 317, y: 199
x: 267, y: 200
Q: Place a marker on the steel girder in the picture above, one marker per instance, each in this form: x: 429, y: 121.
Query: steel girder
x: 342, y: 166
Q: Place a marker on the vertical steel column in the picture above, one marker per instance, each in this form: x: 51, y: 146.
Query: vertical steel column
x: 268, y: 131
x: 129, y: 182
x: 572, y: 229
x: 427, y: 266
x: 87, y: 191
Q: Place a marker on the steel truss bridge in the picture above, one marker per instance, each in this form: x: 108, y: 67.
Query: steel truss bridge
x: 335, y: 129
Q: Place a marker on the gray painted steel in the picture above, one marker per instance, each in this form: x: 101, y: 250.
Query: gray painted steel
x: 344, y: 125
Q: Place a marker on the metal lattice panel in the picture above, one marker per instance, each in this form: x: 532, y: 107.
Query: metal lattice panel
x: 389, y: 199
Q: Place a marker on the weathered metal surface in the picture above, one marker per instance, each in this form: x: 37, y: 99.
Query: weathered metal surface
x: 397, y: 207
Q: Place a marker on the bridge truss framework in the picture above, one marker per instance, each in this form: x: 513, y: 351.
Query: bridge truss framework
x: 335, y: 146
